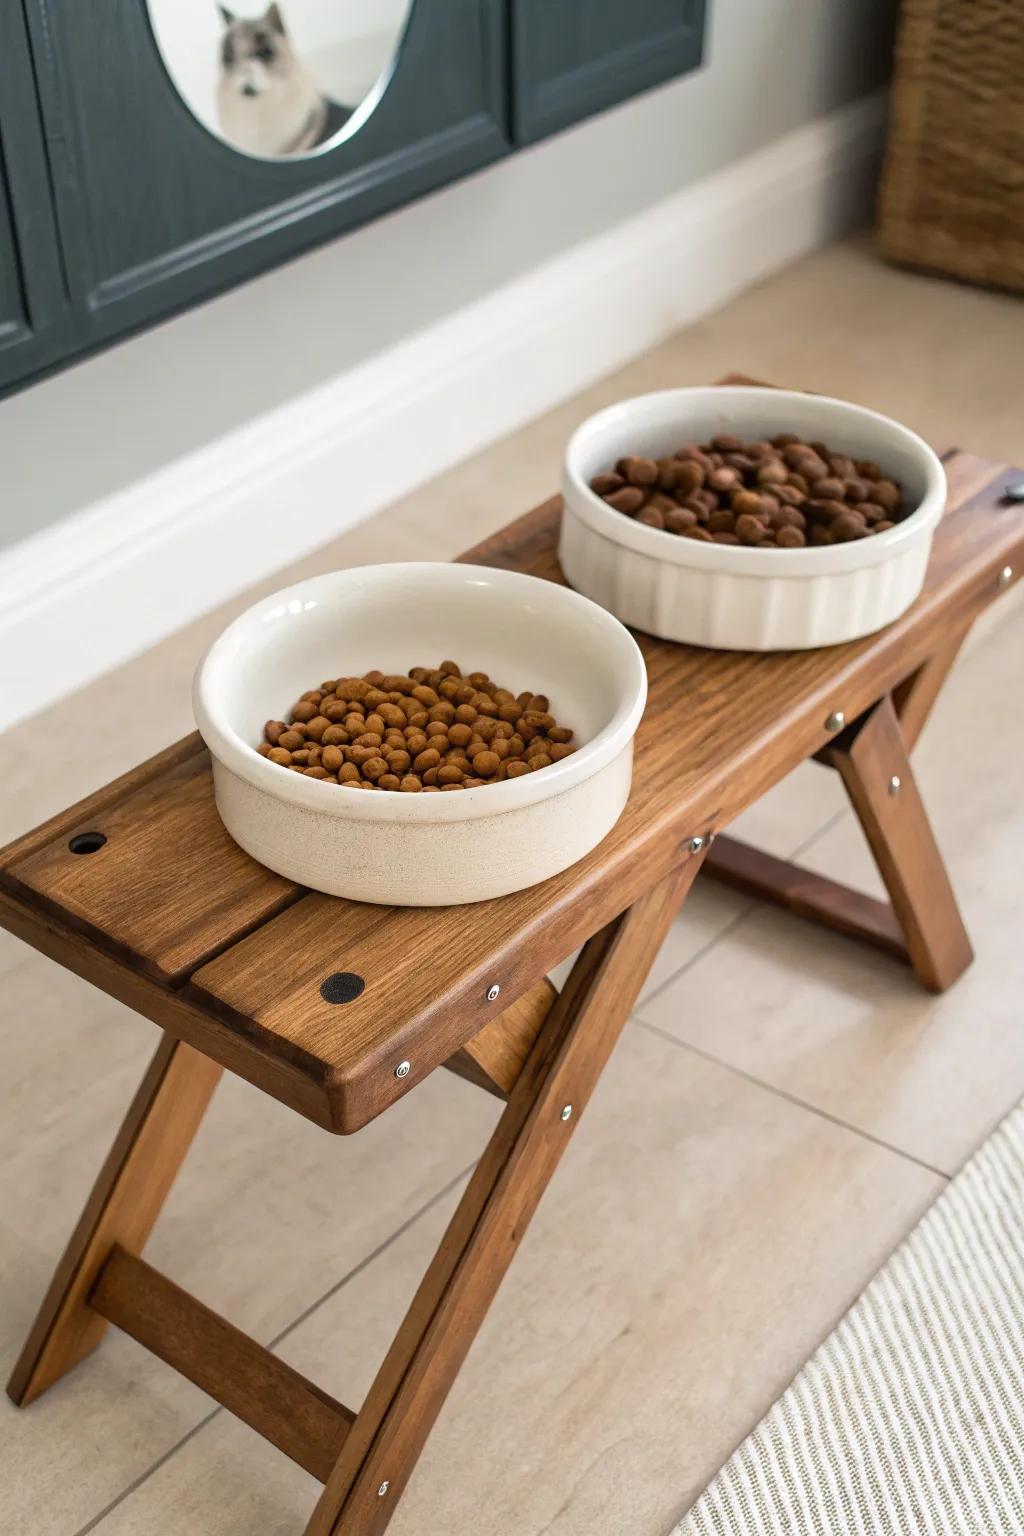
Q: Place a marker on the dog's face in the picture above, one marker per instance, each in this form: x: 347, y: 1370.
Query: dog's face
x: 255, y: 55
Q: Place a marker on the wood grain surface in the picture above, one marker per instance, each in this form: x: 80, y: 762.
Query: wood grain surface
x: 904, y: 847
x: 169, y: 888
x: 494, y: 1058
x: 274, y: 1399
x: 235, y: 961
x: 806, y: 894
x: 84, y: 812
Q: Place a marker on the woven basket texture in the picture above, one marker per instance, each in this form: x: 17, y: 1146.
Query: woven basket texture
x: 952, y: 196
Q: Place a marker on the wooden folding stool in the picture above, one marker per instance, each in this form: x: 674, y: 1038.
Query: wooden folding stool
x: 331, y: 1007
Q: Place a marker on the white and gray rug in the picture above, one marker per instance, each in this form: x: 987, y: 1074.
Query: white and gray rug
x: 909, y: 1420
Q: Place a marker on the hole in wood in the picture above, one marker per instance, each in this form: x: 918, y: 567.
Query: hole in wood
x: 87, y: 842
x: 342, y: 987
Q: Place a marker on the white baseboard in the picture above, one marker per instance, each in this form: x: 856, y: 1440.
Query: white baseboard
x: 121, y: 574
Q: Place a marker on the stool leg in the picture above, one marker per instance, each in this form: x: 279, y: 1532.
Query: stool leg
x: 125, y: 1202
x: 557, y: 1079
x: 901, y: 839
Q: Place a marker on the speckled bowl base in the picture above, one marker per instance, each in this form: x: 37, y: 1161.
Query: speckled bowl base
x: 398, y: 864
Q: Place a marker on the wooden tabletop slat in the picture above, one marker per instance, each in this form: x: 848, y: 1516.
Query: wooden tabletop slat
x: 426, y: 981
x: 169, y: 888
x: 178, y: 903
x: 83, y: 813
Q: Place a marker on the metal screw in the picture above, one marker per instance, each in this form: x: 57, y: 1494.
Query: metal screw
x: 382, y: 1490
x: 567, y: 1112
x: 835, y: 721
x: 492, y: 991
x: 1005, y: 575
x: 895, y: 784
x: 696, y: 844
x: 403, y: 1069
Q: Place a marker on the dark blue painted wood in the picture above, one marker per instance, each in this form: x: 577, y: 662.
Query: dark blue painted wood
x: 571, y: 58
x: 155, y: 212
x: 33, y: 308
x: 117, y: 208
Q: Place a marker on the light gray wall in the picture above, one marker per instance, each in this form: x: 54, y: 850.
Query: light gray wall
x: 772, y: 65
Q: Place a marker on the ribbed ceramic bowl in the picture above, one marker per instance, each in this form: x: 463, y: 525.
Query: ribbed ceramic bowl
x: 409, y: 849
x: 727, y: 596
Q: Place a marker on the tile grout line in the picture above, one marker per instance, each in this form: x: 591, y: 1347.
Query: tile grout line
x: 370, y: 1257
x: 803, y: 847
x: 705, y: 949
x: 357, y: 1269
x: 792, y: 1098
x: 143, y: 1477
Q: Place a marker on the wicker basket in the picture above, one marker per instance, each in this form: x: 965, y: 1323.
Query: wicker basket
x: 953, y: 188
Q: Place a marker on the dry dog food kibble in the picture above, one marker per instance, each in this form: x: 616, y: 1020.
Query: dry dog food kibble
x: 430, y: 730
x: 781, y: 494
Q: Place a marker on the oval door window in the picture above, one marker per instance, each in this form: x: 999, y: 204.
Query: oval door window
x: 280, y: 80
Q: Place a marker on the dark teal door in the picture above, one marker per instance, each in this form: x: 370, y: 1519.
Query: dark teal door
x: 155, y: 212
x: 575, y: 57
x: 33, y: 311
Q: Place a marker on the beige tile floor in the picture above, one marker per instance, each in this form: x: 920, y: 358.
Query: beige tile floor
x: 779, y: 1112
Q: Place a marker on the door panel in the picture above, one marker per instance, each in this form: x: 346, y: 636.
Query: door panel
x: 33, y: 309
x: 575, y: 57
x: 155, y: 211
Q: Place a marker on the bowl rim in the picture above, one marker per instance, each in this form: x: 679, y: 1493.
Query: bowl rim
x: 661, y: 545
x: 234, y: 753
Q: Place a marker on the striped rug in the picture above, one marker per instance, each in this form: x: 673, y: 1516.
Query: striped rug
x: 909, y: 1420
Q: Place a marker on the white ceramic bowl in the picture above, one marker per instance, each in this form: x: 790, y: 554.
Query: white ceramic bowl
x: 728, y: 596
x: 423, y: 850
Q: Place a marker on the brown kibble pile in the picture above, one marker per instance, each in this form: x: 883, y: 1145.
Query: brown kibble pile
x: 429, y: 730
x: 780, y: 494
